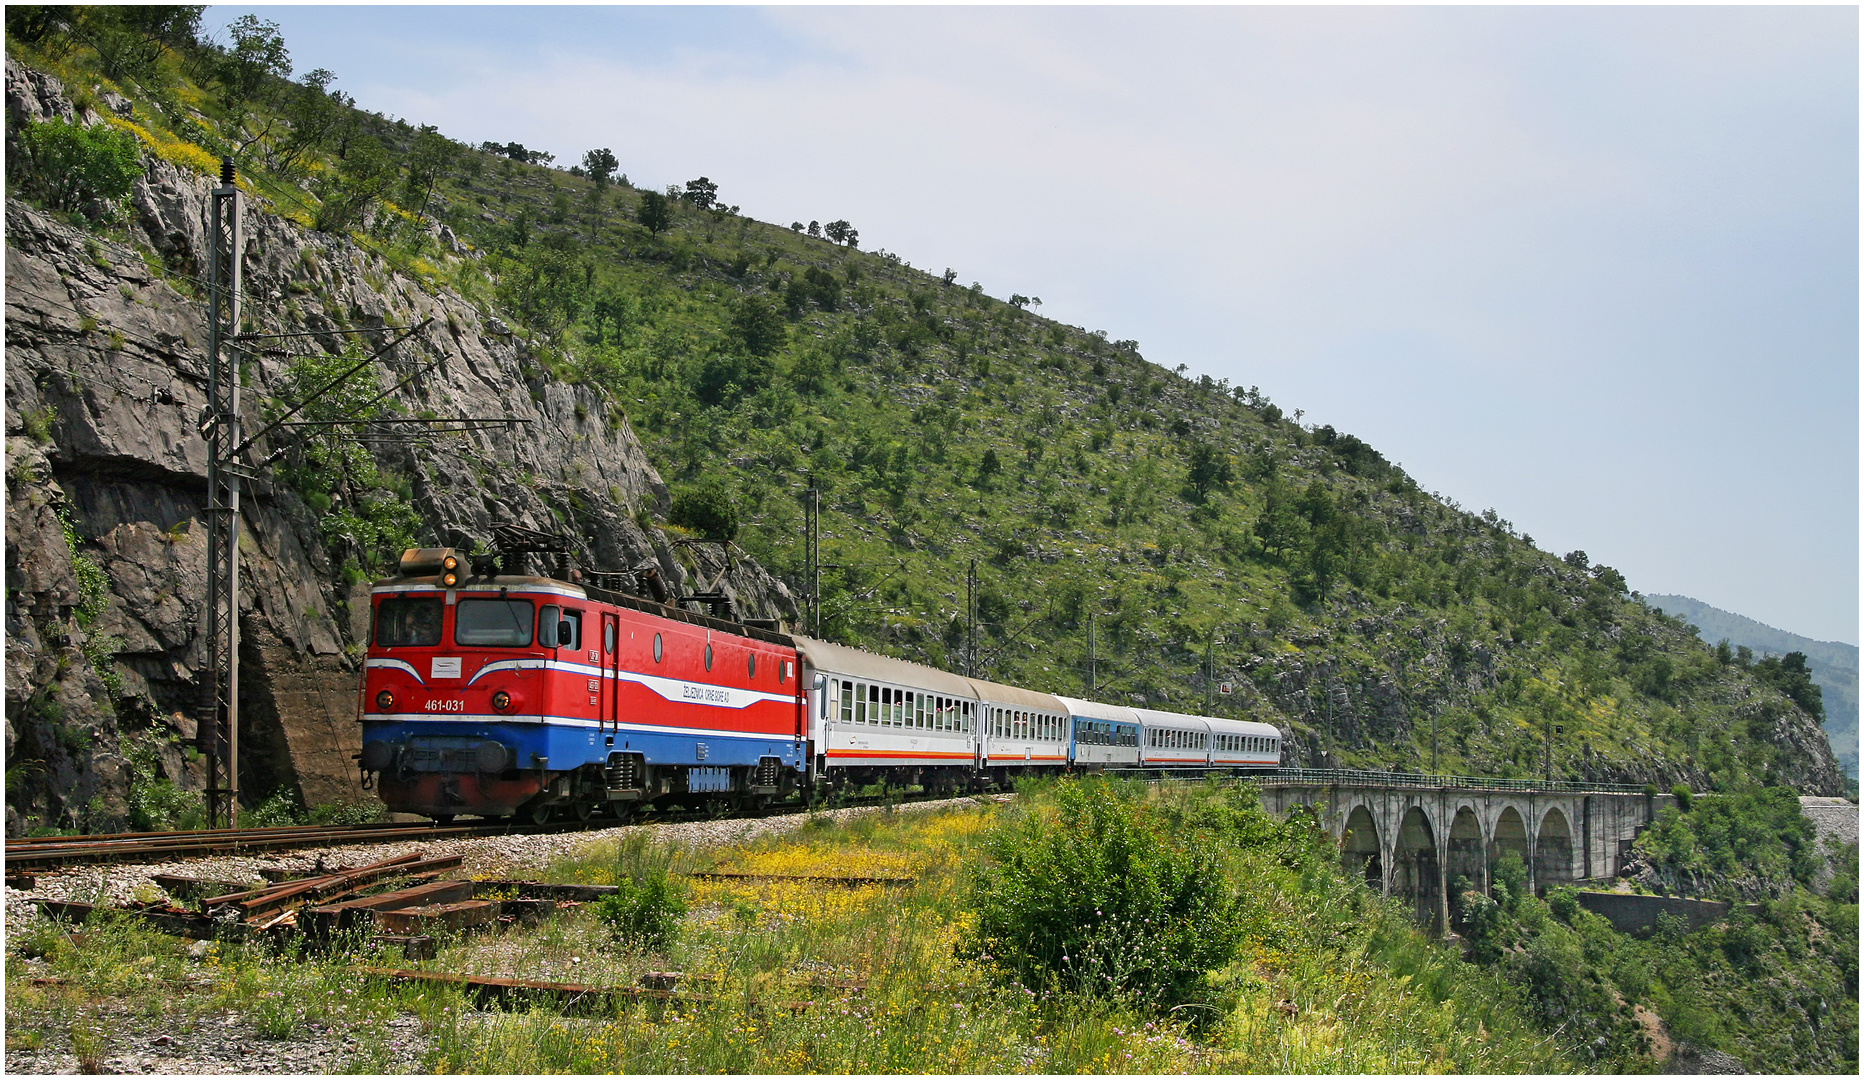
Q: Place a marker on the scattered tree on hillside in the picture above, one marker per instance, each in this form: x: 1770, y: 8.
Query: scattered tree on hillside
x: 433, y: 155
x: 758, y: 327
x: 815, y: 229
x: 319, y: 118
x: 1209, y: 470
x: 599, y: 165
x: 702, y: 193
x: 842, y: 233
x: 354, y: 186
x: 546, y: 285
x: 252, y: 73
x: 653, y: 213
x: 517, y: 152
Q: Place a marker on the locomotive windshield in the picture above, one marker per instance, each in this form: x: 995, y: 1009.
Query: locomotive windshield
x: 408, y: 621
x: 492, y: 622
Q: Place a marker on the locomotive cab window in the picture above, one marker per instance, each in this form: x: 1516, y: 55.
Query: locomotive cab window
x: 551, y: 623
x: 406, y: 622
x: 492, y: 622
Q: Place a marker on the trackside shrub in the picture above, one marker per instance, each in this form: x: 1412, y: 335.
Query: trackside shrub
x: 648, y: 905
x: 1096, y: 897
x: 646, y: 909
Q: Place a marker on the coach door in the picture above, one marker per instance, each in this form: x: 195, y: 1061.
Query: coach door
x: 610, y: 714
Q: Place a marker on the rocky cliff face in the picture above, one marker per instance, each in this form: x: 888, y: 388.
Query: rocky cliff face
x: 106, y: 479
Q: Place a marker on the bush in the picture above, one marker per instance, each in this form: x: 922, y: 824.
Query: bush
x: 706, y: 508
x: 647, y: 908
x: 280, y: 808
x: 1099, y: 898
x: 75, y: 168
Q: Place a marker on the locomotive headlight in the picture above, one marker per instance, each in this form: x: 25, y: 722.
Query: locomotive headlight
x: 501, y: 700
x: 450, y: 571
x: 385, y: 700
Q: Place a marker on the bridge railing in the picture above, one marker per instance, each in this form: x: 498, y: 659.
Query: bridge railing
x: 1369, y: 778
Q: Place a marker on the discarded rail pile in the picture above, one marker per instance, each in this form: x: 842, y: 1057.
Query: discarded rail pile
x: 413, y: 902
x: 416, y: 900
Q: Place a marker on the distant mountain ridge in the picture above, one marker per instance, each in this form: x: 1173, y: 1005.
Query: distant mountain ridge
x: 1834, y: 664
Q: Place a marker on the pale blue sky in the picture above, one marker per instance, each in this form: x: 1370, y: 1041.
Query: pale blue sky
x: 1594, y: 267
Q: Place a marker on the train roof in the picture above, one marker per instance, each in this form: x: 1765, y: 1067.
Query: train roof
x: 1243, y: 727
x: 1016, y: 695
x: 1178, y: 719
x: 861, y: 664
x: 431, y: 583
x: 1097, y: 710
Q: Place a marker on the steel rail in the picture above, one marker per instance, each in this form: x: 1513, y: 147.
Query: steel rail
x: 46, y: 851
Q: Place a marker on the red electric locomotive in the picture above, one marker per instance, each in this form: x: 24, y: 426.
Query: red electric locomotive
x: 497, y: 693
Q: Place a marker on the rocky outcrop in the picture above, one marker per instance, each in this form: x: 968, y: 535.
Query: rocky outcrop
x: 105, y: 380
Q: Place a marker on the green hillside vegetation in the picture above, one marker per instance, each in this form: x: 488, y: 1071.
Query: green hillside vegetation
x: 1775, y: 985
x: 1205, y: 535
x: 1833, y: 664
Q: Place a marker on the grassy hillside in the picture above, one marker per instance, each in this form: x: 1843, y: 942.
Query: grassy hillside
x: 1205, y: 534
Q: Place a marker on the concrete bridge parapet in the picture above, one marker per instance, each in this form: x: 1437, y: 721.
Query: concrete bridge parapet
x: 1419, y: 836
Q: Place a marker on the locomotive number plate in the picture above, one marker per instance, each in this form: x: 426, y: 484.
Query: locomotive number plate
x: 446, y: 704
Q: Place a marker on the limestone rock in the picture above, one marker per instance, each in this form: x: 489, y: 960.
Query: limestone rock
x: 105, y: 381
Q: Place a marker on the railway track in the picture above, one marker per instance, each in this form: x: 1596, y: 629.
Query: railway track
x: 41, y: 852
x: 47, y: 851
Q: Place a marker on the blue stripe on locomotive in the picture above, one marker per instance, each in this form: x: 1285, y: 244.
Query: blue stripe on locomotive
x: 568, y: 747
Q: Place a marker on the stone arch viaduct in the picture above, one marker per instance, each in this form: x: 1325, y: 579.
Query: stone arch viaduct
x: 1422, y: 837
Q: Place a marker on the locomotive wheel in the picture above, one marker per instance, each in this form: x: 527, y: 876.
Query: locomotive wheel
x: 585, y: 811
x: 540, y: 814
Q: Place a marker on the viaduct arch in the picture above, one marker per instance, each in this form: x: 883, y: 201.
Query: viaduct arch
x: 1425, y: 839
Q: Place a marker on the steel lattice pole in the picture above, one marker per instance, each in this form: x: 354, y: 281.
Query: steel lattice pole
x: 218, y: 731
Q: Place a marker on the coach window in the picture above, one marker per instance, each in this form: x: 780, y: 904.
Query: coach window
x: 847, y: 702
x: 874, y: 715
